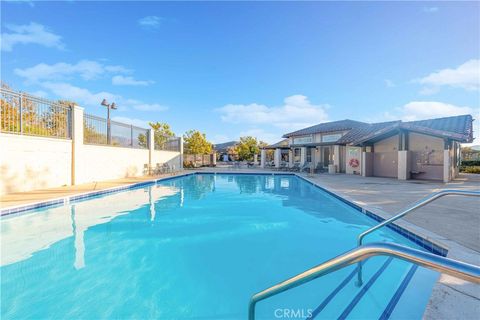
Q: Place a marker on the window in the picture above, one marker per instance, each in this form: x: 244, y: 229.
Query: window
x: 309, y: 154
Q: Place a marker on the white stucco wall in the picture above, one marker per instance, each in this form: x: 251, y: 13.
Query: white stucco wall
x: 169, y: 157
x: 28, y: 163
x: 97, y: 163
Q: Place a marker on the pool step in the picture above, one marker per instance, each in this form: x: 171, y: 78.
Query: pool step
x: 334, y: 304
x: 382, y: 296
x: 348, y: 301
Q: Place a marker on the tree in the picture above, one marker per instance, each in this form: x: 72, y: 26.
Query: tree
x: 196, y: 142
x: 247, y: 147
x: 161, y: 134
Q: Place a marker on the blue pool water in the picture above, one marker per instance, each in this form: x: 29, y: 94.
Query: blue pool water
x: 197, y: 247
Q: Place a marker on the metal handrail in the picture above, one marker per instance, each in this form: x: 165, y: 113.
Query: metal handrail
x: 413, y: 207
x: 417, y: 205
x: 451, y: 267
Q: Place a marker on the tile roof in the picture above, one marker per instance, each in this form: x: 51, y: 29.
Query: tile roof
x: 370, y: 129
x: 326, y: 127
x: 458, y: 125
x: 280, y: 144
x: 457, y: 128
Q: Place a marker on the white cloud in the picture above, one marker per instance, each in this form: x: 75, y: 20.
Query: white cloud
x: 129, y: 81
x: 419, y: 110
x: 296, y: 112
x: 86, y: 69
x: 32, y: 33
x: 150, y: 22
x: 82, y: 96
x: 466, y: 76
x: 262, y: 135
x: 135, y: 122
x: 141, y: 106
x: 85, y: 97
x: 389, y: 83
x: 430, y: 9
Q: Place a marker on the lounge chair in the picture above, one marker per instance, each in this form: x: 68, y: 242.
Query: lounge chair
x: 158, y: 168
x: 306, y: 167
x: 319, y: 168
x: 146, y: 169
x: 295, y: 168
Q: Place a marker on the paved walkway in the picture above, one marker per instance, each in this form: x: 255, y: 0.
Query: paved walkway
x: 454, y: 217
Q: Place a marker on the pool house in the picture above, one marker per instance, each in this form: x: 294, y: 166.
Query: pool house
x: 425, y: 149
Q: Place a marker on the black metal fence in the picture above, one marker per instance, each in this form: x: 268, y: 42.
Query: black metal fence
x: 167, y: 143
x: 22, y: 113
x: 97, y: 130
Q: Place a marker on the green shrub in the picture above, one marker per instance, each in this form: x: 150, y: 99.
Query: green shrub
x: 470, y: 169
x: 470, y: 163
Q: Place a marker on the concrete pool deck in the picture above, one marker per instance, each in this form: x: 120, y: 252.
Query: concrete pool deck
x: 452, y: 222
x: 29, y: 197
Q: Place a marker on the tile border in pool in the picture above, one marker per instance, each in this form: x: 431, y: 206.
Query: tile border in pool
x: 419, y: 240
x: 82, y: 196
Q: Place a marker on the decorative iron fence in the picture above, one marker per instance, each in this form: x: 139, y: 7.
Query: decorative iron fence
x: 167, y: 143
x: 197, y: 160
x: 96, y: 130
x: 22, y: 113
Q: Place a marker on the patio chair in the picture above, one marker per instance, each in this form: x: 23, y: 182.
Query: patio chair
x: 281, y: 167
x: 306, y: 167
x: 319, y: 168
x: 166, y: 168
x: 295, y: 168
x: 158, y: 168
x: 146, y: 169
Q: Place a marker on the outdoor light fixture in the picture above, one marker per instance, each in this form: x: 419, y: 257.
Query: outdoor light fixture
x: 109, y: 106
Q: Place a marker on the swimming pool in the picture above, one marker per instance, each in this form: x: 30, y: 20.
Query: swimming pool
x: 198, y: 247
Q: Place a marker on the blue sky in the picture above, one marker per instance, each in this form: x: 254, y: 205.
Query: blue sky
x: 244, y: 68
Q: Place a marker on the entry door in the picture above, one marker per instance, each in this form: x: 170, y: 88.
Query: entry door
x: 326, y: 156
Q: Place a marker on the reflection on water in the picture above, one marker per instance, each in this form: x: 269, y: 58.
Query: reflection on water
x: 29, y: 233
x: 172, y: 250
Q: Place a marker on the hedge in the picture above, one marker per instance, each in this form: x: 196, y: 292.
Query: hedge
x: 469, y: 163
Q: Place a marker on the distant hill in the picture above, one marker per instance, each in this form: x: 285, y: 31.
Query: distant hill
x: 222, y: 147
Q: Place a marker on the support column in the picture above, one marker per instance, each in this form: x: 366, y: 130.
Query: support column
x: 277, y: 157
x: 77, y: 143
x: 446, y: 166
x: 290, y: 158
x: 367, y: 164
x: 303, y: 155
x: 151, y: 149
x: 181, y: 153
x: 336, y: 157
x: 213, y: 159
x: 263, y: 158
x: 403, y: 165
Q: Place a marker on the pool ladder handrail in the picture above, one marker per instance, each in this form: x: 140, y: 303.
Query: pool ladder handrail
x: 438, y: 263
x: 432, y: 197
x: 417, y: 205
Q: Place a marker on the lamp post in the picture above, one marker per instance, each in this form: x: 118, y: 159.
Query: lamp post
x: 109, y: 106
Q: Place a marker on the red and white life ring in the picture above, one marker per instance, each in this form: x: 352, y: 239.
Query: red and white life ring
x: 354, y: 163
